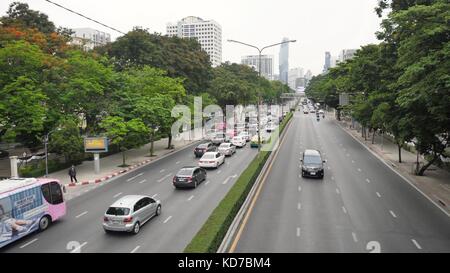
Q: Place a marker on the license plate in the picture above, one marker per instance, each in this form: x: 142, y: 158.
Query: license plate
x: 313, y: 173
x: 116, y: 222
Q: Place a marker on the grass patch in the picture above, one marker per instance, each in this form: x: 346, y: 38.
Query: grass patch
x: 211, y: 234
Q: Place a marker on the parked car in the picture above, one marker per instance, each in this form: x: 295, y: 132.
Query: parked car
x: 204, y: 148
x: 189, y: 177
x: 211, y: 160
x: 130, y: 212
x: 219, y: 138
x: 312, y: 164
x: 245, y: 135
x: 227, y: 149
x: 305, y: 111
x: 239, y: 141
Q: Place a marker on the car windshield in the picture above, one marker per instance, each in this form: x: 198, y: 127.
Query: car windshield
x: 312, y: 159
x: 202, y: 146
x: 185, y: 172
x: 118, y: 211
x: 209, y: 156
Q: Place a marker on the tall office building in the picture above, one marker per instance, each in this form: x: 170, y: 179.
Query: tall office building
x: 327, y: 64
x: 346, y: 54
x: 293, y: 77
x: 284, y: 62
x: 266, y: 64
x: 88, y: 38
x: 208, y: 34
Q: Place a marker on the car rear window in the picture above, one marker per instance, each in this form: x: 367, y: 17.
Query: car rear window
x: 312, y: 159
x: 185, y: 172
x: 224, y: 145
x: 203, y: 146
x: 209, y: 156
x: 118, y: 211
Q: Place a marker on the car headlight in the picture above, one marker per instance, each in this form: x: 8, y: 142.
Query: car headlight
x: 304, y: 168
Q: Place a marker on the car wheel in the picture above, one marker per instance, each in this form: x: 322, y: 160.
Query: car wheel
x: 107, y: 231
x: 195, y: 184
x: 136, y: 228
x: 158, y: 210
x: 44, y: 222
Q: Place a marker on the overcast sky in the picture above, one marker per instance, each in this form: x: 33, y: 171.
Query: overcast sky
x: 317, y: 25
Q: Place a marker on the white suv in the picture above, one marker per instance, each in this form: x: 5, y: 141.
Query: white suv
x: 238, y: 141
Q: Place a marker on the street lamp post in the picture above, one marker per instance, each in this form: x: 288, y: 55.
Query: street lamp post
x: 46, y: 149
x: 259, y: 73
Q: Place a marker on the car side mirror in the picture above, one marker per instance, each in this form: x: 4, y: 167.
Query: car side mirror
x: 301, y: 160
x: 324, y: 161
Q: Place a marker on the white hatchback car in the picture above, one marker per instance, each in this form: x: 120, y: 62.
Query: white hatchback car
x: 211, y: 160
x: 238, y: 141
x: 245, y: 135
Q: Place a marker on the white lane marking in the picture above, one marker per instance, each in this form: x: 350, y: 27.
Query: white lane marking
x: 135, y: 249
x: 178, y: 162
x: 299, y: 188
x: 354, y: 237
x: 228, y: 163
x: 219, y: 171
x: 228, y: 179
x: 29, y: 243
x: 78, y: 248
x: 299, y: 206
x: 367, y: 179
x: 81, y: 214
x: 378, y: 194
x: 154, y: 195
x: 344, y: 209
x: 164, y: 177
x: 163, y: 170
x: 190, y: 198
x: 393, y: 214
x: 353, y: 161
x: 337, y: 191
x: 359, y: 170
x: 298, y: 232
x: 332, y: 178
x: 167, y: 220
x: 207, y: 182
x: 131, y: 178
x: 86, y: 190
x: 416, y: 244
x: 143, y: 181
x: 348, y: 154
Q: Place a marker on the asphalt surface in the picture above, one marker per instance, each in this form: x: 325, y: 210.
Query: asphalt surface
x: 183, y: 211
x: 361, y: 205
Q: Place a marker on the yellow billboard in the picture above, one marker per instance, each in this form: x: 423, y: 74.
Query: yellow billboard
x: 96, y: 144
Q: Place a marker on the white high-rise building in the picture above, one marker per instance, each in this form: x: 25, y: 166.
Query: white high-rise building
x: 346, y: 54
x: 266, y: 64
x: 89, y: 38
x: 208, y: 34
x: 293, y: 75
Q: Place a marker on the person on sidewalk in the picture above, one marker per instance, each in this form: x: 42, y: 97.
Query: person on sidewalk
x: 73, y: 174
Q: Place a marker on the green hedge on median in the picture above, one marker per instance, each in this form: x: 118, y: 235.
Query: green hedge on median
x: 210, y: 236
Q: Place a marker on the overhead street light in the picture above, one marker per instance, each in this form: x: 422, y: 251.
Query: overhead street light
x: 260, y: 50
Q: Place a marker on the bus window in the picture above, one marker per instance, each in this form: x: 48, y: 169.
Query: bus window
x: 56, y: 193
x: 46, y: 193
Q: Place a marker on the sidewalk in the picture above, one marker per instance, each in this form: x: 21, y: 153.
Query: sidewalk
x: 109, y: 166
x: 435, y: 183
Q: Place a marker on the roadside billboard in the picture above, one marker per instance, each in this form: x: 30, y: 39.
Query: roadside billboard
x: 96, y: 144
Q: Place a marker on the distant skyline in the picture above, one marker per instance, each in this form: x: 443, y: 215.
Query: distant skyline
x: 318, y: 26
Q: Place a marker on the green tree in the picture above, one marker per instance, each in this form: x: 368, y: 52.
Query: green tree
x: 125, y: 134
x: 67, y: 141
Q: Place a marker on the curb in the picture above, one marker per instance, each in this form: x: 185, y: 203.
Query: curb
x: 128, y: 169
x: 438, y: 203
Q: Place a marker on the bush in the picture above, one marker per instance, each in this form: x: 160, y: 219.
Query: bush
x: 210, y: 236
x: 38, y: 170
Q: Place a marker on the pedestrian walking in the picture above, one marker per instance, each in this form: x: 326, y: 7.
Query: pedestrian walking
x: 73, y: 174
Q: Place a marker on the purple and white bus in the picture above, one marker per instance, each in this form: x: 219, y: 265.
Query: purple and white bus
x: 27, y: 205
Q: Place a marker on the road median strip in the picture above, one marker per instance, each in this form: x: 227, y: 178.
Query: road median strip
x: 212, y: 233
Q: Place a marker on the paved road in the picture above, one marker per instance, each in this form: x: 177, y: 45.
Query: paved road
x: 360, y: 206
x: 183, y: 211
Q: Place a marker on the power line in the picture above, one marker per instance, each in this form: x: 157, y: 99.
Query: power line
x: 56, y: 4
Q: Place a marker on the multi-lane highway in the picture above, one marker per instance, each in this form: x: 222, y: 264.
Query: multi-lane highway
x: 183, y: 211
x: 361, y: 205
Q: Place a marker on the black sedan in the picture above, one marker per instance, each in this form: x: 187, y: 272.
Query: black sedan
x: 189, y: 177
x: 203, y: 148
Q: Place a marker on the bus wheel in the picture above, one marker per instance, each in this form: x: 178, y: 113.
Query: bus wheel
x: 44, y: 223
